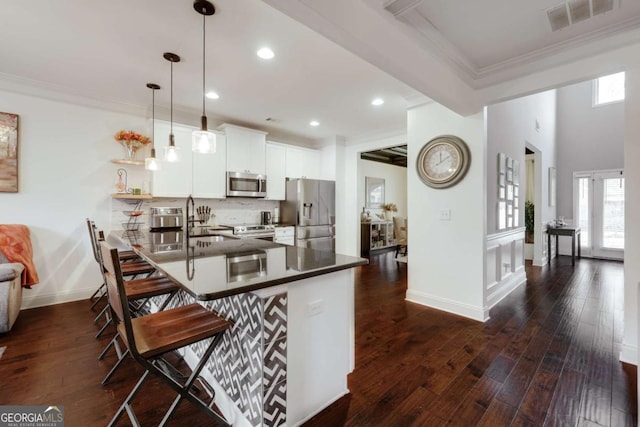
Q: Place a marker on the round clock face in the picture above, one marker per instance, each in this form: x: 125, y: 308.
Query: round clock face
x: 443, y: 161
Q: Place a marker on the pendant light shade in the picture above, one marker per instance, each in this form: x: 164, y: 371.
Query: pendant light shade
x: 203, y: 140
x: 152, y: 163
x: 171, y: 152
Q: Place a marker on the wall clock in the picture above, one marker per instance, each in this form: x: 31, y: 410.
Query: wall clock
x: 443, y: 161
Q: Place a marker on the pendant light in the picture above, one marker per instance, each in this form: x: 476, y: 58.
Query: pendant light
x: 152, y: 163
x: 203, y: 141
x: 171, y: 152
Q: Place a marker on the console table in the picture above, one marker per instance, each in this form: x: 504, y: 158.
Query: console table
x: 574, y: 232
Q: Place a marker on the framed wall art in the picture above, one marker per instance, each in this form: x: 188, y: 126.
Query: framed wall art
x: 375, y: 192
x: 508, y: 192
x: 8, y: 153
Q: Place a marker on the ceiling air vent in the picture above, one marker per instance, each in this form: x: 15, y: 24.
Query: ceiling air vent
x: 397, y: 7
x: 602, y: 6
x: 574, y: 11
x: 558, y: 17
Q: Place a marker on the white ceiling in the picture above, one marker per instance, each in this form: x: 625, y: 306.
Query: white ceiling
x: 485, y: 36
x: 466, y: 54
x: 109, y: 50
x: 444, y: 49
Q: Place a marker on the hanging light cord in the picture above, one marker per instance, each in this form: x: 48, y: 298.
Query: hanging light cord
x: 171, y: 97
x: 153, y: 119
x: 203, y: 61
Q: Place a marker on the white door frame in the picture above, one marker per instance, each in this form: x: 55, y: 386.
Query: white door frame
x: 539, y: 238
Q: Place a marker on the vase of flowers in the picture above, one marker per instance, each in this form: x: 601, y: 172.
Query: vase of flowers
x: 131, y: 141
x: 387, y: 208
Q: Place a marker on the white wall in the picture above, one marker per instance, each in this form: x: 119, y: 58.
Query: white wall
x: 65, y: 176
x: 589, y: 138
x: 446, y: 259
x: 395, y: 180
x: 511, y: 125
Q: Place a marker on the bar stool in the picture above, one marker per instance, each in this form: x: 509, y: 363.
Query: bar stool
x: 139, y: 290
x: 100, y: 293
x: 151, y: 336
x: 133, y: 266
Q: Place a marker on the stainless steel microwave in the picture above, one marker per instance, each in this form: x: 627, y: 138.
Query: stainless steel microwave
x: 243, y: 184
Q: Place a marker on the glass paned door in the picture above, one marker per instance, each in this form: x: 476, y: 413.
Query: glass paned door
x: 611, y: 221
x: 584, y: 193
x: 599, y: 211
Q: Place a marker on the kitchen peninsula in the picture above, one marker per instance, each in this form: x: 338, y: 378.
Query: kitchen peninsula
x: 292, y: 344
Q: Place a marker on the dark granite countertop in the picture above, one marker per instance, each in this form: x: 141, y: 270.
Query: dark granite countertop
x: 211, y: 266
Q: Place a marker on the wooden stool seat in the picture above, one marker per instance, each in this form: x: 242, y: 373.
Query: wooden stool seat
x: 128, y: 255
x: 150, y: 287
x: 168, y: 330
x: 134, y: 268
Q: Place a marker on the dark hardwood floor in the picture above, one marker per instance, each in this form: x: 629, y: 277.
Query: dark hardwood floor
x: 548, y: 356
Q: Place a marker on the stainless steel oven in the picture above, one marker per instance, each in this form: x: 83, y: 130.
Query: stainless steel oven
x: 241, y: 184
x: 246, y: 266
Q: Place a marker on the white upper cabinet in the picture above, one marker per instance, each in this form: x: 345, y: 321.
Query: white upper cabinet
x: 302, y: 163
x: 246, y: 149
x: 201, y: 175
x: 209, y: 171
x: 173, y: 179
x: 276, y: 162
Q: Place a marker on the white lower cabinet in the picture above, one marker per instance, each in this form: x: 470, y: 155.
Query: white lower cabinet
x: 201, y: 175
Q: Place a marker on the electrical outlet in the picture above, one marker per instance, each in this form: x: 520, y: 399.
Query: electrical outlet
x: 445, y: 214
x: 314, y: 308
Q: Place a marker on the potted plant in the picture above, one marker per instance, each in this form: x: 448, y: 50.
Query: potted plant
x: 528, y: 221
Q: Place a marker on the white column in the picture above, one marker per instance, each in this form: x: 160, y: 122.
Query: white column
x: 629, y: 352
x: 446, y: 258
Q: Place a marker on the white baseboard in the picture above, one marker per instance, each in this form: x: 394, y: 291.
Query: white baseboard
x: 629, y: 354
x: 466, y: 310
x: 57, y: 298
x: 313, y: 414
x: 505, y: 287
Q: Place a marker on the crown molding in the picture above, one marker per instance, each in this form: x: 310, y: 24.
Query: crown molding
x: 612, y: 36
x: 50, y: 91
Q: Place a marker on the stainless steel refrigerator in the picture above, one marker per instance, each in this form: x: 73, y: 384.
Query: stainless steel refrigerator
x: 311, y: 207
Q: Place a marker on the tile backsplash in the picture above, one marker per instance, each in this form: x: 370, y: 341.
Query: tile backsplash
x: 232, y: 211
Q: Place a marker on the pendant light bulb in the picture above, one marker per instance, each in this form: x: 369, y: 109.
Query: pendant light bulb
x: 171, y: 152
x: 203, y: 141
x: 152, y: 163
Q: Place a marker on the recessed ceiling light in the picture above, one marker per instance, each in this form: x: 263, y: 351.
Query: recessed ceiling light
x: 212, y: 95
x: 314, y: 123
x: 265, y: 53
x: 377, y: 101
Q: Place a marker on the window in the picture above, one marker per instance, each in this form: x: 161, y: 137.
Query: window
x: 608, y: 89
